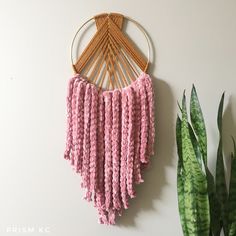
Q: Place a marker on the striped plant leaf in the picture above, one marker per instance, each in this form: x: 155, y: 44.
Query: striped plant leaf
x: 214, y: 205
x: 198, y: 123
x: 178, y: 139
x: 194, y: 227
x: 221, y: 189
x: 180, y: 178
x: 232, y: 194
x: 196, y: 201
x: 196, y: 146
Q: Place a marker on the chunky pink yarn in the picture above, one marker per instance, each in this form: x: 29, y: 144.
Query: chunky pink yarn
x: 79, y: 125
x: 131, y: 139
x: 144, y: 121
x: 93, y: 140
x: 124, y: 145
x: 116, y: 139
x: 74, y: 122
x: 69, y: 118
x: 150, y: 98
x: 110, y: 138
x: 108, y: 150
x: 137, y: 172
x: 86, y: 143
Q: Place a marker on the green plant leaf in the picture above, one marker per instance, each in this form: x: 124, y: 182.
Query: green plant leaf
x: 221, y: 189
x: 232, y: 193
x: 178, y: 138
x: 180, y: 108
x: 196, y: 201
x: 198, y: 123
x: 180, y: 178
x: 195, y: 146
x: 214, y: 205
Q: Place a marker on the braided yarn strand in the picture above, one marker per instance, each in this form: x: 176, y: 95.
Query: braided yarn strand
x: 86, y: 143
x: 124, y: 142
x: 116, y: 138
x: 69, y: 118
x: 80, y: 125
x: 108, y: 150
x: 93, y: 140
x: 131, y: 139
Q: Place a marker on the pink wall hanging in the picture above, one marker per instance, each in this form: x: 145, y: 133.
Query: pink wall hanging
x: 110, y: 132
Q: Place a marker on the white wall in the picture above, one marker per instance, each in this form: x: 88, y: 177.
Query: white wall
x: 194, y: 42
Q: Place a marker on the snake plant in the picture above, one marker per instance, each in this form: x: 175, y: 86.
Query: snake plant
x: 205, y: 205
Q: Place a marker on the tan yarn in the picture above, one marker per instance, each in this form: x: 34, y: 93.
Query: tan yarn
x: 111, y: 58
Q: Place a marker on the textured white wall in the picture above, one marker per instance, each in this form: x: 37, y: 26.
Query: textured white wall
x: 193, y: 42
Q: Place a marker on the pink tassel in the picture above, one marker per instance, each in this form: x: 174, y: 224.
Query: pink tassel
x: 100, y: 197
x: 86, y: 143
x: 80, y: 124
x: 100, y: 194
x: 103, y: 216
x: 93, y: 139
x: 130, y: 151
x: 108, y: 150
x: 74, y: 121
x: 151, y: 106
x: 144, y: 122
x: 116, y: 138
x: 137, y: 171
x: 124, y: 140
x: 69, y: 119
x: 111, y: 217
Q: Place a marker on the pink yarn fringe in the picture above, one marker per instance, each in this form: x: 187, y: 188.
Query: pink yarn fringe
x: 110, y: 138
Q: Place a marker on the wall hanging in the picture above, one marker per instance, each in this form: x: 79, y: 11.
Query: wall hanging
x: 110, y: 106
